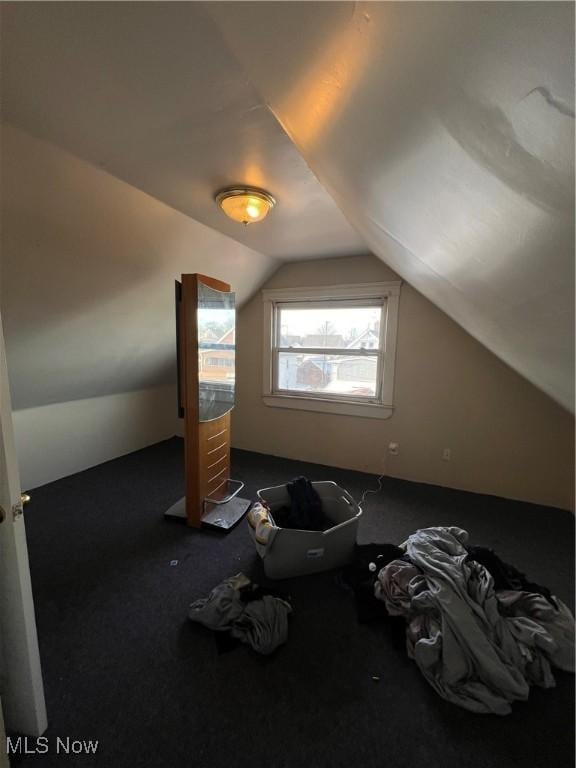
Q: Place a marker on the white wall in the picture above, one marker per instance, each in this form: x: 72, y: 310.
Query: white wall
x: 507, y: 438
x: 87, y: 274
x: 59, y: 439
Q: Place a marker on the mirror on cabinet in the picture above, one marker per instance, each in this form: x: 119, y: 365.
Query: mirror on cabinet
x: 216, y: 352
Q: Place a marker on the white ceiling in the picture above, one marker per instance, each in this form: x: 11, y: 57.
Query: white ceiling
x: 151, y: 93
x: 444, y: 132
x: 87, y: 276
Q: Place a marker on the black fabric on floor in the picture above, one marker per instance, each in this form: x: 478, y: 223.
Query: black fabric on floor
x: 122, y: 663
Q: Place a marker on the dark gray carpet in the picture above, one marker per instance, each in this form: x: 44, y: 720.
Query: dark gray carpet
x: 122, y: 664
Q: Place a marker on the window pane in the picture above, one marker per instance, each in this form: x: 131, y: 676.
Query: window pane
x: 335, y: 327
x: 328, y: 374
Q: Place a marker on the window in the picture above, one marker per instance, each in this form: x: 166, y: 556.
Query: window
x: 331, y: 349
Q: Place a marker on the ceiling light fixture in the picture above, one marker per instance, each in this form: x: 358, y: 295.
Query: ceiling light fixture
x: 246, y: 205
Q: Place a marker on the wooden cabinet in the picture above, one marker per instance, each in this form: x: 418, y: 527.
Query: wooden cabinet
x: 206, y: 339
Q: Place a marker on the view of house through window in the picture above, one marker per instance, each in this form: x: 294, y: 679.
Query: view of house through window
x: 216, y: 344
x: 329, y: 348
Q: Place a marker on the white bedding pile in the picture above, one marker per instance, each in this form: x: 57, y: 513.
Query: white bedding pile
x: 478, y: 648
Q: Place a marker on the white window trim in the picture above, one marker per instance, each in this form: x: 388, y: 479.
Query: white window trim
x: 390, y: 292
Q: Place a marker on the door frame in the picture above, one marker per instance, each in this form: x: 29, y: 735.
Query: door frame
x: 21, y: 686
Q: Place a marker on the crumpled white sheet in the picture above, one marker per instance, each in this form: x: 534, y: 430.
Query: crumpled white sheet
x: 261, y: 623
x: 477, y: 648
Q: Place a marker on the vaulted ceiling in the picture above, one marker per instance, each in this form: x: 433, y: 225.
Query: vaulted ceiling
x: 150, y: 92
x: 440, y: 136
x: 445, y: 132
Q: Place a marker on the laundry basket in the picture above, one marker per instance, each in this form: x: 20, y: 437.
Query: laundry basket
x: 297, y: 552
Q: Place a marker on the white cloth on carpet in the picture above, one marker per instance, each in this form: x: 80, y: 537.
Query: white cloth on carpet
x: 477, y: 648
x: 260, y: 623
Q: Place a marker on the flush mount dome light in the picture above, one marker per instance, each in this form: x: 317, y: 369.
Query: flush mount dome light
x: 245, y: 204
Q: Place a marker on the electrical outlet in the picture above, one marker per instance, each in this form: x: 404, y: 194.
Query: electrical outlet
x: 393, y: 449
x: 446, y: 454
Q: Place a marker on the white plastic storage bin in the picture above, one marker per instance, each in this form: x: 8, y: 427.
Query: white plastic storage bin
x: 295, y: 552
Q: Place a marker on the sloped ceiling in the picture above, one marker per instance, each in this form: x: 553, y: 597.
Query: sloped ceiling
x: 445, y: 133
x: 87, y: 276
x: 150, y: 92
x: 439, y: 135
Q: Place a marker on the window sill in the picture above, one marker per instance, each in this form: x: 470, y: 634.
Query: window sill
x: 364, y: 410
